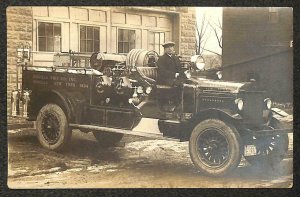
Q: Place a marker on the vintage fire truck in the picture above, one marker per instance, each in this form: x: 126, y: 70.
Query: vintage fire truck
x: 118, y: 94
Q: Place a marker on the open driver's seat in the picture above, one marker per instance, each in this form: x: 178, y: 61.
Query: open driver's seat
x: 151, y: 72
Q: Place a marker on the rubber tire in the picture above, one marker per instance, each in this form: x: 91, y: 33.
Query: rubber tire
x: 65, y: 132
x: 107, y: 139
x: 273, y: 159
x: 234, y: 143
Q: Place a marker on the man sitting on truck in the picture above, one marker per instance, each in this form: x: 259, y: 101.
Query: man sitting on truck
x: 169, y: 76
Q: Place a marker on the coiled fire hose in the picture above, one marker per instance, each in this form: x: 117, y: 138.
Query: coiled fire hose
x: 140, y: 57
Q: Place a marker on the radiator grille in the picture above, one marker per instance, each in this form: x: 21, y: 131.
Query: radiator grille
x: 253, y: 107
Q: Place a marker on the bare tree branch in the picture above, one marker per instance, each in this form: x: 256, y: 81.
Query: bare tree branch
x: 219, y: 37
x: 219, y: 24
x: 202, y: 34
x: 198, y: 44
x: 201, y: 30
x: 211, y: 51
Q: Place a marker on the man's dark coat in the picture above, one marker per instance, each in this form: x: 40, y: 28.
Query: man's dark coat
x: 167, y: 67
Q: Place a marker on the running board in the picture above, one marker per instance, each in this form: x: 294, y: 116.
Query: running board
x: 124, y: 131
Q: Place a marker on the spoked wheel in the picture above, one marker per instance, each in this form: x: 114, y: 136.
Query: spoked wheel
x: 270, y: 150
x: 52, y: 127
x: 215, y: 147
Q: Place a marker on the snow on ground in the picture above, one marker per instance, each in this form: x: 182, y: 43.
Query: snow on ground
x: 158, y: 149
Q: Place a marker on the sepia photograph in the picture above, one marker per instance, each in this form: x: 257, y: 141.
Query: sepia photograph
x: 149, y: 97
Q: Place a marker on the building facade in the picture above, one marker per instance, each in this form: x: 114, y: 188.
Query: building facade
x: 49, y: 30
x: 258, y: 44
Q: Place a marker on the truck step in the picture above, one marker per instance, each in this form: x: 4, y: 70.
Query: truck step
x: 124, y: 131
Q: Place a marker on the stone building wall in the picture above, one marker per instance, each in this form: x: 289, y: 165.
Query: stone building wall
x: 19, y: 30
x: 187, y: 31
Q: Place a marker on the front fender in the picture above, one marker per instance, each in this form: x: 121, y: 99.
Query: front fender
x: 72, y: 102
x: 218, y: 114
x: 279, y: 112
x: 150, y: 109
x: 210, y: 113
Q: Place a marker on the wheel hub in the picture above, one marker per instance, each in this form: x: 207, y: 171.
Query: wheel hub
x: 213, y: 148
x: 50, y: 128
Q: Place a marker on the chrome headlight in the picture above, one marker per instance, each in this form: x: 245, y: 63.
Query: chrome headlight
x: 140, y: 90
x: 240, y: 103
x: 200, y: 66
x: 188, y: 74
x: 148, y: 90
x: 219, y: 74
x: 198, y: 61
x: 268, y: 103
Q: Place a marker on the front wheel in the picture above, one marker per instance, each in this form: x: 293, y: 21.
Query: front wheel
x: 52, y: 127
x: 215, y: 147
x: 270, y: 149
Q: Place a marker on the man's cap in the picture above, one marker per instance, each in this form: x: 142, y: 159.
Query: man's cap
x: 168, y: 43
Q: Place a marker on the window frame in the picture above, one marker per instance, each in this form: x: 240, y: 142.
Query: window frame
x: 161, y: 49
x: 37, y: 35
x: 129, y: 43
x: 93, y: 40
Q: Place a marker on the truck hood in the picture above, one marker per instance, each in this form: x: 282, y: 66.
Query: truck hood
x: 217, y: 85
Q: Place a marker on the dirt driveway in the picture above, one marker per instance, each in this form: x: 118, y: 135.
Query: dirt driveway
x: 135, y: 163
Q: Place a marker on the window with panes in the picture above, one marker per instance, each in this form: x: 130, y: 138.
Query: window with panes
x: 126, y: 40
x: 156, y: 39
x: 49, y: 37
x: 89, y: 39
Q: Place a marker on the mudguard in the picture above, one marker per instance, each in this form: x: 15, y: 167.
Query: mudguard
x: 149, y: 109
x: 73, y: 103
x: 221, y: 113
x: 279, y: 112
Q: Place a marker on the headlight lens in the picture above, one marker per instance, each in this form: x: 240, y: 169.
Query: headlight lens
x: 200, y: 66
x: 188, y: 74
x: 140, y: 90
x: 219, y: 74
x: 198, y: 61
x: 268, y: 103
x: 148, y: 90
x: 240, y: 103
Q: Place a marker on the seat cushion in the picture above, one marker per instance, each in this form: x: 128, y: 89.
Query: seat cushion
x: 150, y: 72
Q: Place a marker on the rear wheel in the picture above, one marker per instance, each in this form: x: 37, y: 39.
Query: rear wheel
x: 215, y: 147
x: 270, y: 149
x: 107, y: 139
x: 52, y: 128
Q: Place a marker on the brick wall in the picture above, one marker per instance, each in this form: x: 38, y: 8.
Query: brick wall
x: 187, y: 28
x: 19, y: 30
